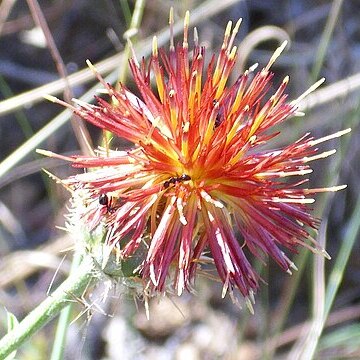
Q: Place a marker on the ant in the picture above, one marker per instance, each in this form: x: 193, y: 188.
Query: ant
x: 105, y: 201
x: 174, y: 180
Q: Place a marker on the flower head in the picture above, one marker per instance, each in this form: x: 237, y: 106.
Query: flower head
x: 198, y: 185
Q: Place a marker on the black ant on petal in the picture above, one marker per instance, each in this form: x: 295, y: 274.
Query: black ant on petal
x: 175, y: 180
x: 105, y: 201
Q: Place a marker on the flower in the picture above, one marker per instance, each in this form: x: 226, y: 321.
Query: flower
x: 198, y: 185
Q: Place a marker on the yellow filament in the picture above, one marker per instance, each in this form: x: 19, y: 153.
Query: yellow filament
x: 225, y: 73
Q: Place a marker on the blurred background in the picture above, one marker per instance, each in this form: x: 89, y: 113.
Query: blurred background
x: 324, y: 41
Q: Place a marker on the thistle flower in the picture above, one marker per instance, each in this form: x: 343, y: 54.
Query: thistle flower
x: 198, y: 185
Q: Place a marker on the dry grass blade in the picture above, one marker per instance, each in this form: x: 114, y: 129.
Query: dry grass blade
x: 198, y: 15
x: 78, y: 125
x: 253, y: 39
x: 338, y: 90
x: 5, y: 9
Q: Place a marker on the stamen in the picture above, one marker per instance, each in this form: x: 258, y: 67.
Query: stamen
x: 51, y: 98
x: 155, y: 47
x: 227, y: 35
x: 234, y: 33
x: 233, y: 53
x: 58, y: 101
x: 323, y: 155
x: 316, y: 250
x: 102, y: 91
x: 294, y: 201
x: 276, y: 54
x: 83, y: 104
x: 291, y: 264
x: 54, y: 155
x: 286, y: 173
x: 325, y: 189
x: 324, y: 253
x: 196, y: 37
x: 252, y: 68
x: 97, y: 74
x: 307, y: 92
x: 329, y: 137
x: 133, y: 53
x: 299, y: 113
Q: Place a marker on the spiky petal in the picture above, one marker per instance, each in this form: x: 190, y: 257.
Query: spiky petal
x: 198, y: 180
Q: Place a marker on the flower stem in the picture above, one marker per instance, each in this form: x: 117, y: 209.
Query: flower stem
x: 64, y: 319
x: 74, y: 286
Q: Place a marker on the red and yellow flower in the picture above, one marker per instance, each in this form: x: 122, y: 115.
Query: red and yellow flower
x: 198, y: 180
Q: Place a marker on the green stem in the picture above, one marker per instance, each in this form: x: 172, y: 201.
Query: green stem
x: 134, y: 26
x: 337, y: 274
x: 74, y: 286
x: 64, y: 319
x: 325, y: 39
x: 126, y: 11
